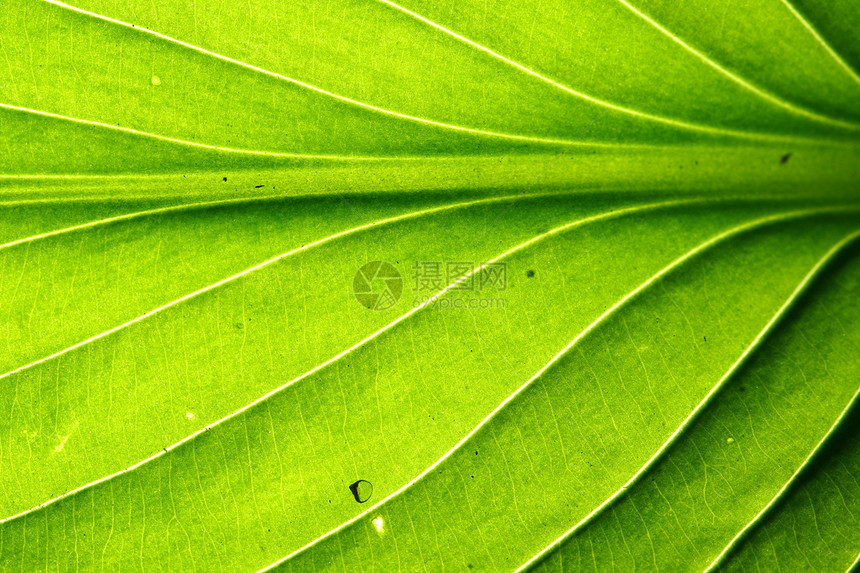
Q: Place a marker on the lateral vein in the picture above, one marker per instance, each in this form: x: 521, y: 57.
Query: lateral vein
x: 827, y: 47
x: 343, y: 353
x: 632, y: 294
x: 252, y: 269
x: 306, y: 85
x: 746, y: 84
x: 801, y: 287
x: 806, y: 462
x: 603, y: 103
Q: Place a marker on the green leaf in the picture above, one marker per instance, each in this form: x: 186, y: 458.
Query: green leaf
x: 437, y: 286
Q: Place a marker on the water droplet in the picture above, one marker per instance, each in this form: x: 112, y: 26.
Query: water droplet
x: 189, y: 415
x: 156, y: 81
x: 361, y: 490
x: 730, y: 440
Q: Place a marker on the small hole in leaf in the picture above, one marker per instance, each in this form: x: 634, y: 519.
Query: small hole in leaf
x: 361, y: 490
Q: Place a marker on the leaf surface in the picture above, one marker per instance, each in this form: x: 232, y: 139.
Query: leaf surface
x: 665, y: 380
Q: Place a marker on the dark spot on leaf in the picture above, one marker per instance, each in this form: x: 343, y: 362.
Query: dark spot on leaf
x: 225, y: 179
x: 361, y: 490
x: 530, y: 273
x: 785, y: 158
x: 258, y: 186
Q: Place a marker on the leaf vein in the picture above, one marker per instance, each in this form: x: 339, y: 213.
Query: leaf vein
x: 632, y: 294
x: 746, y: 84
x: 754, y: 345
x: 301, y: 84
x: 603, y: 103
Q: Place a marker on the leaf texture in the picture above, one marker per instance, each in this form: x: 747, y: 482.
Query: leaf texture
x: 666, y: 380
